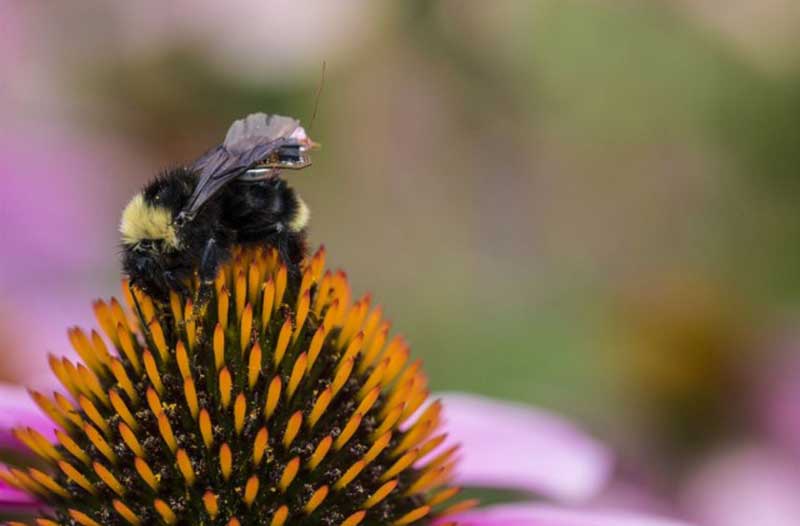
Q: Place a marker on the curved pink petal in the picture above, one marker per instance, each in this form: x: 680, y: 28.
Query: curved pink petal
x: 513, y: 446
x: 17, y: 409
x: 533, y: 515
x: 12, y: 499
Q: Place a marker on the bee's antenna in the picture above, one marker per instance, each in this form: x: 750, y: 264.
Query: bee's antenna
x: 316, y: 98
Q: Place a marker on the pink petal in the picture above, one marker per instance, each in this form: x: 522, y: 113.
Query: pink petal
x: 745, y: 486
x: 17, y: 409
x: 512, y: 446
x: 533, y: 515
x: 13, y: 499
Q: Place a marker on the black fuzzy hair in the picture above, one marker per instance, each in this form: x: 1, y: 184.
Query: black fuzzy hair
x: 250, y: 213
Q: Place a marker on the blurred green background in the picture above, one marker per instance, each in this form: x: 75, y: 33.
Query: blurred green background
x: 587, y: 206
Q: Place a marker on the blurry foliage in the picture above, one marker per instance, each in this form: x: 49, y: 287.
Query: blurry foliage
x: 759, y: 121
x: 623, y: 72
x: 628, y: 75
x: 685, y: 361
x: 608, y: 79
x: 174, y: 101
x: 485, y: 86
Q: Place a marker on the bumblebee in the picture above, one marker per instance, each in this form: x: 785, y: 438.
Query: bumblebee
x: 186, y: 220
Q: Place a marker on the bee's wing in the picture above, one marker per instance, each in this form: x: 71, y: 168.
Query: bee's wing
x: 249, y: 141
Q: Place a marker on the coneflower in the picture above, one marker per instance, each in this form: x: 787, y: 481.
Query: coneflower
x: 276, y: 403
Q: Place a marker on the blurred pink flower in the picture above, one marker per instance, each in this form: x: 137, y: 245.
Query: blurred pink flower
x: 540, y: 452
x: 779, y: 403
x: 56, y: 236
x: 50, y: 220
x: 33, y: 326
x: 511, y: 446
x: 12, y: 499
x: 538, y: 515
x: 744, y: 487
x: 18, y: 410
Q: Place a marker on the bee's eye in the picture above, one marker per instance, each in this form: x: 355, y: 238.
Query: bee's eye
x: 146, y: 245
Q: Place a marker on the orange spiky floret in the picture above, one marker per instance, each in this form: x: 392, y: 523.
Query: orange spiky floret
x: 280, y: 403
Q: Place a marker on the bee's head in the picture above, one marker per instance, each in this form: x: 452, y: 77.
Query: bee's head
x: 142, y: 263
x: 148, y: 221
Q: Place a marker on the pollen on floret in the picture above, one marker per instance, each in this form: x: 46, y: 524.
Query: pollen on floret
x: 281, y: 401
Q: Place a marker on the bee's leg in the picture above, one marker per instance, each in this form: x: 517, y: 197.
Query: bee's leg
x: 209, y: 264
x: 174, y: 283
x: 136, y: 305
x: 293, y: 268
